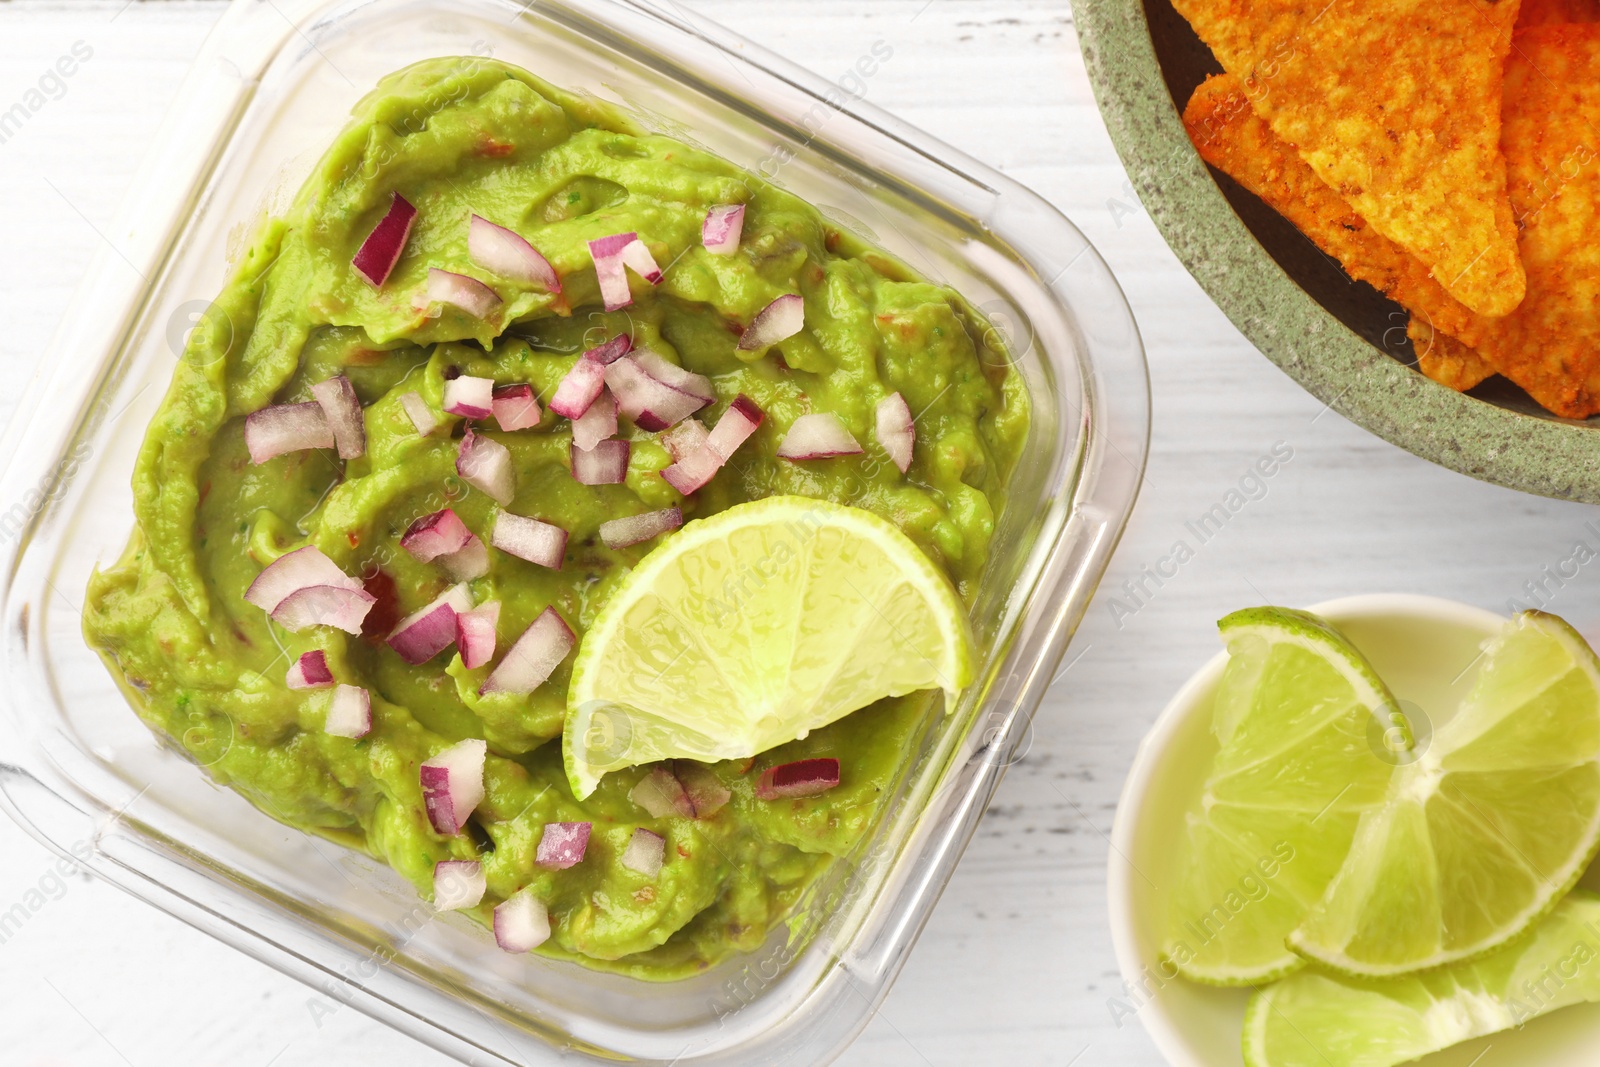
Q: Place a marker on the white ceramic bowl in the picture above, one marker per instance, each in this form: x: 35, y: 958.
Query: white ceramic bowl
x: 1422, y: 647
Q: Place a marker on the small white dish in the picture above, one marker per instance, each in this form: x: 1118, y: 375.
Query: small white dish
x: 1423, y: 648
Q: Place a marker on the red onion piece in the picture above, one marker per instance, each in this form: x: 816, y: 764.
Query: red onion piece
x: 419, y: 413
x: 645, y: 852
x: 324, y: 605
x: 802, y: 778
x: 664, y: 370
x: 661, y: 794
x: 723, y: 227
x: 780, y: 319
x: 636, y: 256
x: 349, y: 713
x: 742, y: 419
x: 435, y: 535
x: 818, y: 436
x: 509, y: 255
x: 293, y: 571
x: 685, y: 439
x: 281, y: 428
x: 596, y: 424
x: 604, y: 464
x: 580, y: 388
x: 310, y: 671
x: 521, y: 923
x: 610, y: 271
x: 563, y: 845
x: 469, y: 397
x: 515, y: 407
x: 475, y: 634
x: 430, y: 629
x: 469, y: 562
x: 530, y: 539
x: 381, y: 250
x: 458, y: 290
x: 534, y: 657
x: 458, y: 884
x: 486, y: 465
x: 630, y: 530
x: 651, y: 403
x: 452, y: 784
x: 610, y: 351
x: 694, y: 471
x: 705, y: 791
x: 342, y: 409
x: 897, y: 431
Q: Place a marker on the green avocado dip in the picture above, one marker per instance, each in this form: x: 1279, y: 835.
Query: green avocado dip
x: 207, y: 669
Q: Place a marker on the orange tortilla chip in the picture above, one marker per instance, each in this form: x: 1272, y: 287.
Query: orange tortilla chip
x: 1550, y: 345
x: 1444, y: 359
x: 1555, y: 12
x: 1395, y: 104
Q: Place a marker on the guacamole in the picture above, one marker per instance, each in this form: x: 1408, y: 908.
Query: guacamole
x: 458, y: 137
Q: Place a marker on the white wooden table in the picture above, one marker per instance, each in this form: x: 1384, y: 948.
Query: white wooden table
x: 1016, y: 967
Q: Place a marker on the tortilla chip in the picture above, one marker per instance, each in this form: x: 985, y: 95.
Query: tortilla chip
x: 1395, y: 104
x: 1444, y: 359
x: 1556, y: 12
x: 1550, y: 346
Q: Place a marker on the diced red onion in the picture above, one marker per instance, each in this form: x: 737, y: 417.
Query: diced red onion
x: 645, y: 852
x: 293, y: 571
x: 723, y: 227
x: 535, y: 656
x: 475, y: 634
x: 521, y: 923
x: 281, y: 428
x: 604, y: 464
x: 342, y: 409
x: 469, y: 397
x: 636, y: 256
x: 707, y: 795
x: 509, y: 255
x: 610, y: 271
x: 664, y: 370
x: 742, y: 419
x: 469, y: 562
x: 596, y: 424
x: 631, y: 529
x: 685, y: 439
x: 419, y: 413
x: 452, y: 784
x: 780, y: 319
x: 694, y: 471
x: 515, y: 407
x: 310, y: 671
x: 802, y: 778
x: 458, y: 884
x: 430, y: 629
x: 661, y: 794
x: 381, y: 250
x: 578, y: 389
x: 610, y: 351
x: 324, y: 605
x: 818, y: 436
x: 563, y: 845
x: 468, y: 294
x: 435, y: 535
x: 897, y: 432
x: 530, y: 539
x: 486, y: 465
x: 651, y: 403
x: 349, y: 712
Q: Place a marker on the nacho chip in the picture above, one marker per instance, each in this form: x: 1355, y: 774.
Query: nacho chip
x: 1444, y: 359
x: 1556, y: 12
x: 1550, y: 346
x: 1395, y: 104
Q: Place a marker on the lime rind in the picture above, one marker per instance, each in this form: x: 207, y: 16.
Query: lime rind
x: 1406, y: 889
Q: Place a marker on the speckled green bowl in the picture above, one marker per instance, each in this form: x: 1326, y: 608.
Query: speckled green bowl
x: 1340, y: 339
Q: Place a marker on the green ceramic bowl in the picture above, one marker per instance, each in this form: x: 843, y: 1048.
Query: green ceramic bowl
x: 1340, y: 339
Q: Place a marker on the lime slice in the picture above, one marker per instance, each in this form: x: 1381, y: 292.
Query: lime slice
x: 754, y: 627
x: 1294, y: 771
x: 1312, y: 1019
x: 1488, y: 828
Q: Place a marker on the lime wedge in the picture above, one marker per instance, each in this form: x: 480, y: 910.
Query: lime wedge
x: 754, y: 627
x: 1487, y: 829
x: 1294, y: 771
x: 1312, y: 1019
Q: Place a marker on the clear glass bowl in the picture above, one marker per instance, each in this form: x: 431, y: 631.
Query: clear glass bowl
x: 271, y: 87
